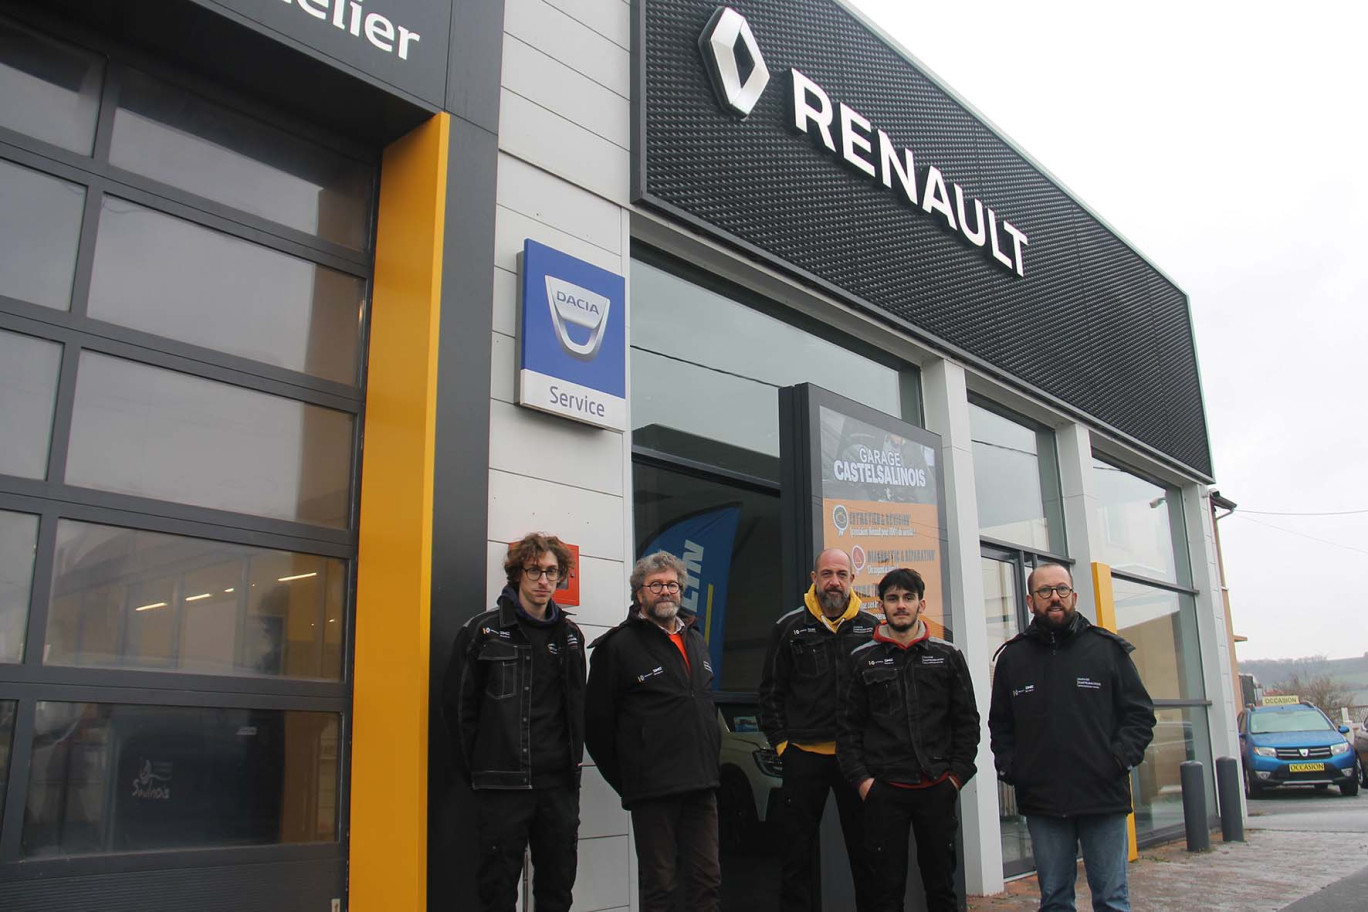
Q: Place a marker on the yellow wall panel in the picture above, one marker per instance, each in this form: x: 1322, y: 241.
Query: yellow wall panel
x: 388, y: 833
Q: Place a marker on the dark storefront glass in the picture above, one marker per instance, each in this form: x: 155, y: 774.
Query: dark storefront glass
x: 170, y: 277
x: 120, y: 778
x: 28, y: 393
x: 755, y: 585
x: 706, y: 374
x: 159, y: 433
x: 133, y: 599
x: 18, y: 539
x: 7, y: 709
x: 171, y: 136
x: 40, y: 220
x: 51, y: 90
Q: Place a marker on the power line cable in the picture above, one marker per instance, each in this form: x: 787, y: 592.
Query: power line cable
x: 1323, y: 541
x: 1330, y: 513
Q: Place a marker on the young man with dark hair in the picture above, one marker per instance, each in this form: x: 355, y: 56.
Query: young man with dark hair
x: 514, y: 706
x: 800, y: 700
x: 908, y: 737
x: 1070, y: 717
x: 651, y: 727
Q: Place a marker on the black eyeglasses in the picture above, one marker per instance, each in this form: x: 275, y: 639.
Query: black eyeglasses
x: 658, y: 587
x: 536, y: 573
x: 1044, y: 591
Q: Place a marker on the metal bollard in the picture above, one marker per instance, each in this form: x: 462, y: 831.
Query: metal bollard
x: 1228, y: 797
x: 1194, y: 806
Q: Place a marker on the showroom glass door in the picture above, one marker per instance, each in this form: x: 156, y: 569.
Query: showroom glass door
x: 1004, y: 608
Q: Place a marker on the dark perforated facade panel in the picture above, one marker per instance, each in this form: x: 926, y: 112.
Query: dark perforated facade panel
x: 1090, y: 323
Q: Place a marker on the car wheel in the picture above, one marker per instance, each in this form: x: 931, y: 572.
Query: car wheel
x: 1251, y: 790
x: 737, y: 822
x: 1349, y: 788
x: 1363, y: 774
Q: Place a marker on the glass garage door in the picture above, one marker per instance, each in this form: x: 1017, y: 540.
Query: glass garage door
x: 183, y: 306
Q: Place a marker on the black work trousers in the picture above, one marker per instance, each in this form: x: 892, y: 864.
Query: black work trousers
x: 509, y: 821
x: 808, y: 778
x: 930, y: 814
x: 675, y: 835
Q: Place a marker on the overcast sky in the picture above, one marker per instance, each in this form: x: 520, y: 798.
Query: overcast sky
x: 1226, y: 142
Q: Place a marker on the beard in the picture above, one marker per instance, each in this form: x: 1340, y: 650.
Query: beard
x: 901, y: 622
x: 1047, y: 620
x: 833, y: 601
x: 664, y: 609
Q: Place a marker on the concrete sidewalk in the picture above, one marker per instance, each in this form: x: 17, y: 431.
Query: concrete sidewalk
x: 1271, y: 870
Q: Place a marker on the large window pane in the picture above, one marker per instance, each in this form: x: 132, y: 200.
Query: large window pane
x: 738, y: 532
x: 1161, y: 626
x: 1016, y: 481
x: 130, y: 598
x: 18, y: 540
x: 158, y: 433
x: 1141, y: 524
x: 28, y: 391
x: 166, y: 276
x: 180, y: 139
x: 119, y: 778
x: 51, y: 91
x: 1180, y: 735
x: 723, y: 386
x: 40, y: 220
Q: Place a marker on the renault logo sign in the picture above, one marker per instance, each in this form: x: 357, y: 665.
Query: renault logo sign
x: 728, y: 45
x: 726, y: 35
x: 571, y: 338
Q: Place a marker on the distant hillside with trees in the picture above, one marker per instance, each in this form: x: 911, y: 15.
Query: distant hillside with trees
x: 1316, y: 679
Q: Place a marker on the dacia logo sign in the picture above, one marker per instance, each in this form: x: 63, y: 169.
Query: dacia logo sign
x: 572, y: 338
x: 727, y: 36
x: 572, y: 305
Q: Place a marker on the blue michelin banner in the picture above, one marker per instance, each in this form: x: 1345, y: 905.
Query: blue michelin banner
x: 704, y: 542
x: 572, y: 355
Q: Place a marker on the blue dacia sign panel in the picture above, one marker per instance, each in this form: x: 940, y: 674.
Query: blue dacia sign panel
x: 572, y: 356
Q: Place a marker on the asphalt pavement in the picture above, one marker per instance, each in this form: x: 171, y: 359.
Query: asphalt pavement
x: 1305, y: 851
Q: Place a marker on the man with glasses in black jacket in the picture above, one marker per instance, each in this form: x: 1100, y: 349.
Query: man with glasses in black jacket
x: 651, y: 727
x: 514, y: 705
x: 1069, y: 719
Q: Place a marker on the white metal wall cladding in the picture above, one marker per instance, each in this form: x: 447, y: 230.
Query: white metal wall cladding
x: 1090, y: 323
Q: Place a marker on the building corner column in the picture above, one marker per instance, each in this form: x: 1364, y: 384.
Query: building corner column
x: 945, y: 397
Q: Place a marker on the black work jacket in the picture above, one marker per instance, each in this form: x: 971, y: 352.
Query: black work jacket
x: 1069, y: 718
x: 650, y: 723
x: 802, y: 688
x: 487, y: 697
x: 910, y: 714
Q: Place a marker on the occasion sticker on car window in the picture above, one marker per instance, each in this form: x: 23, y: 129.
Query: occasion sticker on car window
x: 1305, y: 767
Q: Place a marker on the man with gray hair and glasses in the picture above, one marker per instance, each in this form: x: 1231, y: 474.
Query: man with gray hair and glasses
x: 1069, y: 719
x: 651, y: 726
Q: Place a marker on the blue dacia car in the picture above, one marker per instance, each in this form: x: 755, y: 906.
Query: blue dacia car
x: 1295, y: 744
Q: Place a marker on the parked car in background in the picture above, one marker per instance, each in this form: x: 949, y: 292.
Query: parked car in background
x: 751, y: 773
x: 1295, y: 745
x: 1361, y: 749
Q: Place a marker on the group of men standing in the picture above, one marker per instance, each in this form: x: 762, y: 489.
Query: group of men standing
x: 879, y: 713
